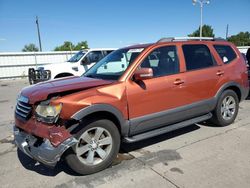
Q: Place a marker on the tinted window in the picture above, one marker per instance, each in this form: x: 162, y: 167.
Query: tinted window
x: 226, y: 53
x: 95, y: 56
x: 163, y: 61
x: 197, y: 56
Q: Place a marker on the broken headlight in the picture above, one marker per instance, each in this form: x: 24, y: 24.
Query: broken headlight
x: 48, y: 113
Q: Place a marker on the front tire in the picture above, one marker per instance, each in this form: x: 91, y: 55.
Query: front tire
x: 98, y: 146
x: 226, y: 109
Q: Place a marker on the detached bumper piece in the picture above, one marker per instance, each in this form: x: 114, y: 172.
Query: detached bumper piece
x: 40, y: 75
x: 42, y: 152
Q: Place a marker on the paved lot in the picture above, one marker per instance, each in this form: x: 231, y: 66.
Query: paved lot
x: 197, y: 156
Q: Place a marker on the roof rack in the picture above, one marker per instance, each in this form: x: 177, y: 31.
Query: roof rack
x: 171, y: 39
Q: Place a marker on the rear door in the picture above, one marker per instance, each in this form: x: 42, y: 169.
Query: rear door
x: 202, y: 77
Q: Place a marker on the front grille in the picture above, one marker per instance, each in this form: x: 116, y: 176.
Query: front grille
x: 23, y: 108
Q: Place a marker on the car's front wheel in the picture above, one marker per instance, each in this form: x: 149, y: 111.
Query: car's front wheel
x: 97, y: 147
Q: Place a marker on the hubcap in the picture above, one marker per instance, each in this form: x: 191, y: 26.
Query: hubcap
x: 228, y: 107
x: 94, y: 146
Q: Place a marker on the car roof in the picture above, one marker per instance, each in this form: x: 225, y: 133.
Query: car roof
x: 182, y: 40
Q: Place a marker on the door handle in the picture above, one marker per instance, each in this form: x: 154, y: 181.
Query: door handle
x: 178, y: 82
x: 220, y: 73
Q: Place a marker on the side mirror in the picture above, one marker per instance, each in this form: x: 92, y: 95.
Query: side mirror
x: 143, y: 74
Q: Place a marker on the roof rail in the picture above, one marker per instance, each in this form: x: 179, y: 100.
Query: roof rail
x: 171, y: 39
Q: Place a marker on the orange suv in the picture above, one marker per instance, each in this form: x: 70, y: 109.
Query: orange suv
x: 134, y: 93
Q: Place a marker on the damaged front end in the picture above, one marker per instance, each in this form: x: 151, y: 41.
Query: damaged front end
x: 43, y: 152
x: 39, y: 136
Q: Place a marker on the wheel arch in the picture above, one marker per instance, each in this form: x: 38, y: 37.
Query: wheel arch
x: 103, y: 111
x: 63, y: 74
x: 231, y: 86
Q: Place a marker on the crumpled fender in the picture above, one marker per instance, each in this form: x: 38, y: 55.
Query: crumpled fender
x: 55, y: 134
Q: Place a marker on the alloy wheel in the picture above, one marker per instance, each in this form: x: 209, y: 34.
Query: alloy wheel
x: 94, y: 146
x: 228, y: 107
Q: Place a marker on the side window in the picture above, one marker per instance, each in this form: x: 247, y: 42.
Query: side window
x: 226, y: 53
x: 95, y: 56
x: 108, y: 52
x: 197, y: 56
x: 164, y: 61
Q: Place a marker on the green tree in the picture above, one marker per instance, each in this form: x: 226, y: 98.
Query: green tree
x: 30, y: 48
x: 241, y: 39
x: 81, y: 45
x: 67, y: 46
x: 207, y: 31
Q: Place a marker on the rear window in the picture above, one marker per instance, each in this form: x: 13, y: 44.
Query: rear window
x: 226, y: 53
x: 197, y: 56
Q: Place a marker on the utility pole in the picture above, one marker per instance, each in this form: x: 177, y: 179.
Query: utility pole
x: 227, y: 32
x: 38, y: 32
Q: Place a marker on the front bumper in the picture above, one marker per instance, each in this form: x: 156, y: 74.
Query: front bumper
x: 43, y: 152
x: 40, y: 75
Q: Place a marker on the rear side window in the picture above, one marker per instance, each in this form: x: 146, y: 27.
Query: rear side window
x: 226, y: 53
x: 197, y: 56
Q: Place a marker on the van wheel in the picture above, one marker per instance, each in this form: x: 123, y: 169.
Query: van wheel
x: 98, y: 146
x: 226, y: 109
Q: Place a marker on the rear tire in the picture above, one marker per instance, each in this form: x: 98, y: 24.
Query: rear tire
x: 226, y: 109
x: 98, y: 146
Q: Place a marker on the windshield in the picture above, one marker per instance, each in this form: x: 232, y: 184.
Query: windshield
x: 76, y: 57
x: 113, y: 65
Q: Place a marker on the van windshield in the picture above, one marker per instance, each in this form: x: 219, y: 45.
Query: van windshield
x: 114, y: 65
x: 77, y: 57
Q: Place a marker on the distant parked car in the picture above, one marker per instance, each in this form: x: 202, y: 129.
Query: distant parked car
x: 75, y: 66
x: 248, y: 65
x: 245, y: 58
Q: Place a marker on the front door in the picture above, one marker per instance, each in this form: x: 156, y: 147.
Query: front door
x: 152, y: 102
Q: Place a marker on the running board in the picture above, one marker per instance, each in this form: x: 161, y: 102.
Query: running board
x: 166, y: 129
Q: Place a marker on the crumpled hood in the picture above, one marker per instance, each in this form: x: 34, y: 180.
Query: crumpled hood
x: 40, y: 91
